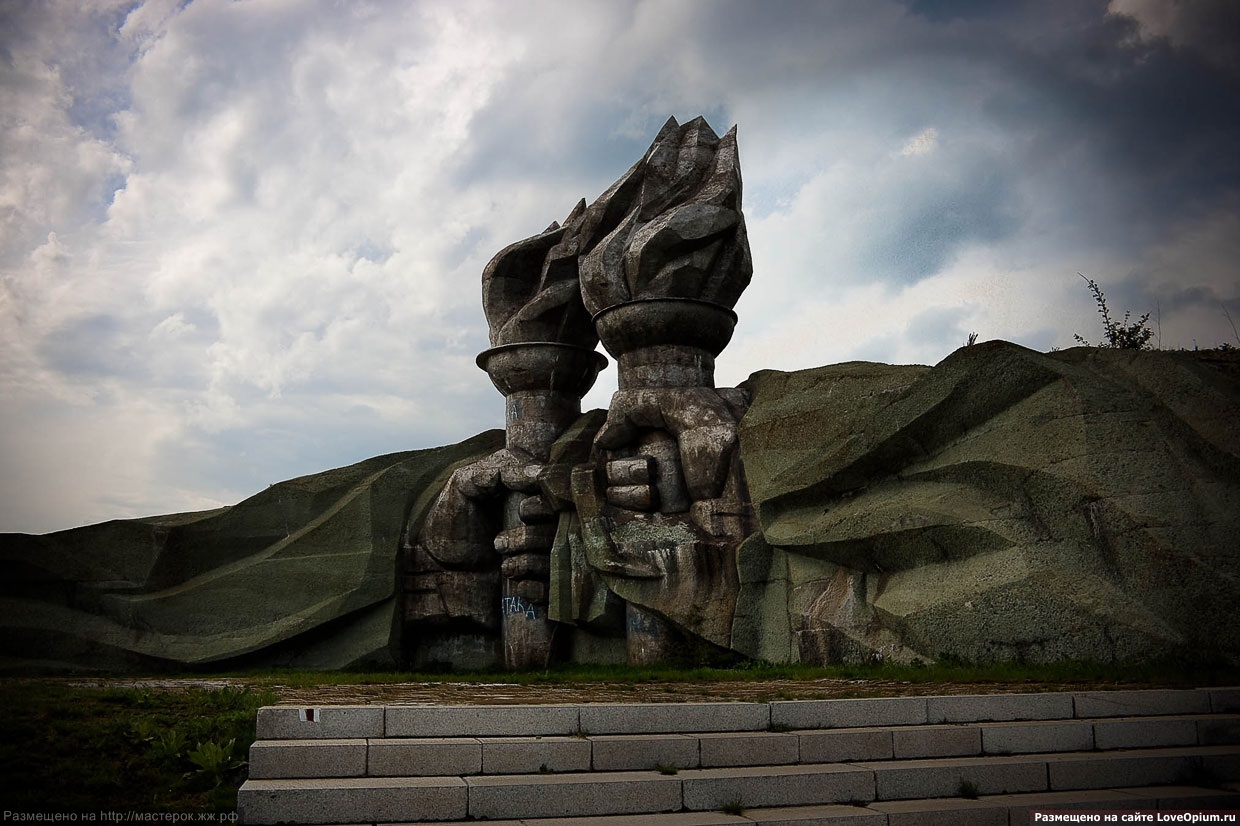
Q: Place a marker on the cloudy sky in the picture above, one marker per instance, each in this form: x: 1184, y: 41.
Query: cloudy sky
x: 243, y: 241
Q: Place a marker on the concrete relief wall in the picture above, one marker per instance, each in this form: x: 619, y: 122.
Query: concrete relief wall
x: 1001, y: 505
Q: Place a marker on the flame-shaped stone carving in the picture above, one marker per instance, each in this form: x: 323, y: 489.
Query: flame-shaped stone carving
x: 680, y: 233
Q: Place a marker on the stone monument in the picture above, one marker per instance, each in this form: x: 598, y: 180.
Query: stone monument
x: 1002, y: 505
x: 652, y: 268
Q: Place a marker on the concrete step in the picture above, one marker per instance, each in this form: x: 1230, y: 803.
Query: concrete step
x: 904, y: 760
x: 458, y: 756
x: 995, y: 810
x: 585, y: 794
x: 327, y: 722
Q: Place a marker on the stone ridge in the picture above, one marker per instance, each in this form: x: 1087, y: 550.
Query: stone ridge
x: 299, y: 575
x: 1001, y: 505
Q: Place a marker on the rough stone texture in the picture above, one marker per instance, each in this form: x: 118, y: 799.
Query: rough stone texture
x: 999, y: 708
x: 423, y: 757
x: 528, y: 755
x: 572, y: 795
x: 749, y: 749
x: 672, y: 718
x: 637, y: 752
x: 661, y: 506
x: 315, y: 758
x: 480, y: 721
x: 1108, y: 771
x: 326, y: 723
x: 936, y: 741
x: 1004, y: 504
x: 947, y: 812
x: 1139, y: 703
x: 845, y: 745
x: 1216, y: 731
x: 814, y: 714
x: 302, y: 574
x: 1032, y: 738
x: 830, y: 815
x: 1141, y: 733
x: 775, y: 786
x: 351, y: 800
x: 946, y: 777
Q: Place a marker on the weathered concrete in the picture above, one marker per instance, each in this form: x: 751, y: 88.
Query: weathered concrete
x: 1126, y: 768
x: 1056, y: 480
x: 1142, y: 733
x: 572, y: 795
x: 999, y: 708
x: 1020, y: 805
x: 800, y: 785
x: 1218, y: 730
x: 423, y: 757
x: 632, y: 752
x: 670, y: 819
x: 302, y: 574
x: 949, y: 777
x: 845, y: 745
x: 307, y: 758
x: 935, y: 741
x: 527, y: 755
x: 480, y: 721
x: 671, y: 718
x: 750, y: 749
x: 351, y: 800
x: 1139, y: 703
x: 1031, y: 738
x: 1224, y: 699
x: 1184, y: 797
x: 319, y: 723
x: 821, y: 714
x: 949, y: 812
x: 1001, y: 505
x: 830, y: 815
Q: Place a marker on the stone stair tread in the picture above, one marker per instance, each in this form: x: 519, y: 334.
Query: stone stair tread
x: 557, y: 779
x: 617, y: 718
x: 1000, y: 809
x: 1002, y: 759
x: 912, y: 761
x: 352, y: 800
x: 662, y: 819
x: 269, y: 784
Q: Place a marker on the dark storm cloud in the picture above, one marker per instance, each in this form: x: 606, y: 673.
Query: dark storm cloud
x: 289, y: 277
x: 928, y: 225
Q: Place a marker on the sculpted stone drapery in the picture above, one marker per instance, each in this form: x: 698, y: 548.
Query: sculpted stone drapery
x: 1002, y: 505
x: 988, y: 508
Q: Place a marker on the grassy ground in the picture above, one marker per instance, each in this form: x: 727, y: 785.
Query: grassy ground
x: 1163, y: 672
x: 74, y: 746
x: 66, y: 748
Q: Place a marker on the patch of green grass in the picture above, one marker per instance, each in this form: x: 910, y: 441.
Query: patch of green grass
x: 736, y: 806
x: 124, y: 749
x: 666, y: 768
x: 968, y: 789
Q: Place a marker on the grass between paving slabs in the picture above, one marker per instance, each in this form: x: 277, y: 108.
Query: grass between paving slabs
x: 79, y: 748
